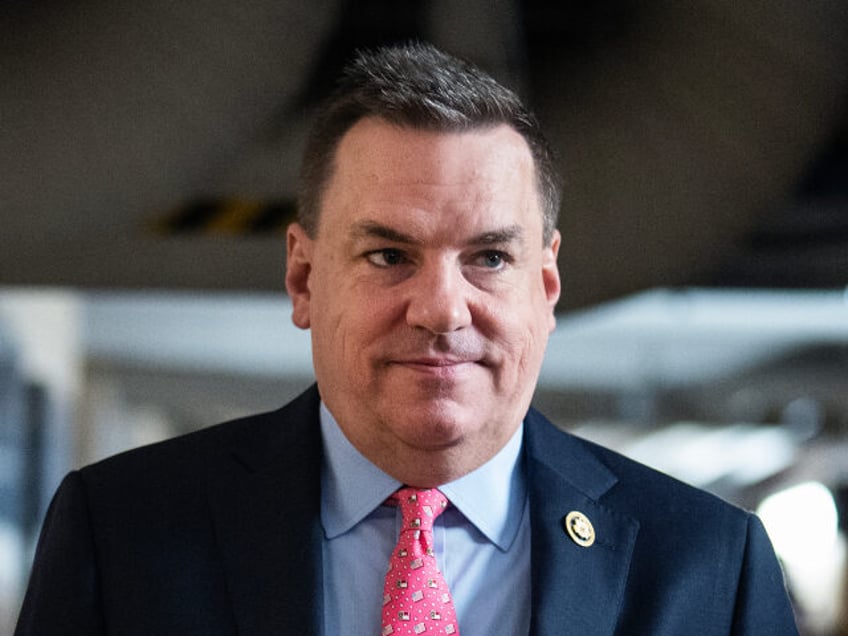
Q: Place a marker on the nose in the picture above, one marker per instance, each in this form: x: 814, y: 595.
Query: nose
x: 438, y: 299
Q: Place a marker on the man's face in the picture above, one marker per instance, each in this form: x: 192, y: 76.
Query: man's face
x: 429, y: 294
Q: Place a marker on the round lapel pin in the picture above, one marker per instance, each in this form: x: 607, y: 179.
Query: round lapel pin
x: 579, y: 528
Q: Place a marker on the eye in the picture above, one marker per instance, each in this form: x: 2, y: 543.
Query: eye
x: 492, y: 259
x: 388, y: 257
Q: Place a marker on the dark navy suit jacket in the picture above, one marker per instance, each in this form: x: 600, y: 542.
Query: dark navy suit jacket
x: 218, y: 533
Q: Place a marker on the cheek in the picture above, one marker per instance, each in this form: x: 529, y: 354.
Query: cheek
x: 347, y: 326
x: 520, y: 338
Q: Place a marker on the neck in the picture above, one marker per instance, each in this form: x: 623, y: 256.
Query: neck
x: 430, y: 468
x: 420, y: 462
x: 425, y: 472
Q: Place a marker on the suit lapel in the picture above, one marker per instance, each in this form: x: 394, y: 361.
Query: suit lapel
x: 579, y: 589
x: 265, y: 503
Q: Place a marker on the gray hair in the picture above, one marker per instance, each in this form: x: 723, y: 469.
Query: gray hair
x: 418, y: 86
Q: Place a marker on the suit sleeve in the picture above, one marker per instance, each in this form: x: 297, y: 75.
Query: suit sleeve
x: 63, y: 592
x: 762, y: 603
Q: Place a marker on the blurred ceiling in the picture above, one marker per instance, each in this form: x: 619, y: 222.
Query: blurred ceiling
x: 702, y: 143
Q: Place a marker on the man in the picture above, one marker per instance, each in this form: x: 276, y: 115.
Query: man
x: 424, y: 264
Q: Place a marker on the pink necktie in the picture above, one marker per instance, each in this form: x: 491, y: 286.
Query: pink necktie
x: 416, y: 599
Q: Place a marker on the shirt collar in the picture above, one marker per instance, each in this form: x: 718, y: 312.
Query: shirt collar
x: 492, y: 497
x: 351, y: 485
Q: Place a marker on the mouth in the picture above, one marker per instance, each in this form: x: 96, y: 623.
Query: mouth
x: 437, y: 365
x: 436, y: 358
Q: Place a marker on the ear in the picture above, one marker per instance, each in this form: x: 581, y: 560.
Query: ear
x: 550, y: 275
x: 299, y: 249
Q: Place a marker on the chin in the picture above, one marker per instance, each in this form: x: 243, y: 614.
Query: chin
x: 433, y: 438
x: 436, y: 425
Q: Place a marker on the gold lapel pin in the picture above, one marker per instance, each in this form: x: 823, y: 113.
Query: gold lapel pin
x: 579, y: 528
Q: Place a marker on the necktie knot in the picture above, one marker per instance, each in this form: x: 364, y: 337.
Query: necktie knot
x: 419, y: 508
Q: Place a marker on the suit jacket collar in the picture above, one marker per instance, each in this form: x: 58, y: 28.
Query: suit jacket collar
x: 577, y: 588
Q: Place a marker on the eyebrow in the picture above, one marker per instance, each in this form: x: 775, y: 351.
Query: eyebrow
x: 508, y: 234
x: 371, y: 229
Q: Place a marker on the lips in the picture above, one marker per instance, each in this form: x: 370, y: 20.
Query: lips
x: 440, y: 355
x: 436, y: 361
x: 440, y: 369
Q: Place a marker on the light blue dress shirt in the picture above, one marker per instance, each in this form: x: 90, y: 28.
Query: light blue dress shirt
x: 482, y: 541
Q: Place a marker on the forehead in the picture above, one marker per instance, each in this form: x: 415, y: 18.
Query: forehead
x: 377, y: 144
x: 380, y: 166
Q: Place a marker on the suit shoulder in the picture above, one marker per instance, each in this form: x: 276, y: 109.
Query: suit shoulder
x: 248, y: 439
x: 635, y: 486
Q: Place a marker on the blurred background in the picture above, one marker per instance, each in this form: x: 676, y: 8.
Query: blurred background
x: 148, y: 156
